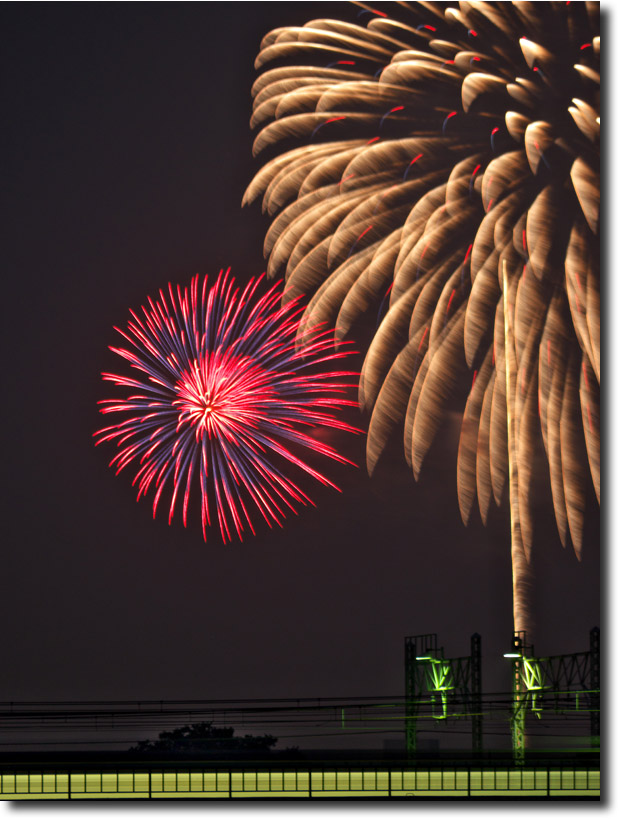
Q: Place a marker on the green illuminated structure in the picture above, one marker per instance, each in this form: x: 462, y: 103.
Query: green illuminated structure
x: 562, y: 683
x: 439, y: 688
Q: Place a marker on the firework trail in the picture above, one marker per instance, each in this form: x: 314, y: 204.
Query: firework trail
x: 225, y: 396
x: 450, y: 161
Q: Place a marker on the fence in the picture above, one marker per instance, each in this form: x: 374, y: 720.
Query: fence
x: 359, y: 782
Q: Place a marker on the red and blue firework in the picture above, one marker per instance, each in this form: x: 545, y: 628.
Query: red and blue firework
x: 231, y: 385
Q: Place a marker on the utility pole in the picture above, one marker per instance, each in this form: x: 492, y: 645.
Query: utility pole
x: 439, y: 688
x: 476, y: 708
x: 594, y: 684
x: 571, y: 682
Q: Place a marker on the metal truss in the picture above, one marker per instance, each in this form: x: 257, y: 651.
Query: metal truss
x: 441, y: 688
x: 562, y: 683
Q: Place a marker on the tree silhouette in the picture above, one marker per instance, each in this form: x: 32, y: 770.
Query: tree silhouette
x: 204, y: 738
x: 449, y: 167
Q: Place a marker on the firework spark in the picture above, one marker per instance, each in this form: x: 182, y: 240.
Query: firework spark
x: 451, y: 154
x: 230, y: 387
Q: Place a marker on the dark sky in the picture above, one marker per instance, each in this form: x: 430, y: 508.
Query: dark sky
x: 126, y: 148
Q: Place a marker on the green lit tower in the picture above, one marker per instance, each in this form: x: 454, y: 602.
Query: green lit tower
x: 437, y: 688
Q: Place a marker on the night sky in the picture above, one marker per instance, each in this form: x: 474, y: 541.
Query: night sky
x: 127, y: 148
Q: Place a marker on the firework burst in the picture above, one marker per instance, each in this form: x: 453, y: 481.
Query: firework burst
x: 450, y: 165
x: 225, y: 397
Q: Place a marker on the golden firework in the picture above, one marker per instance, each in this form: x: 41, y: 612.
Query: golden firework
x: 449, y: 157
